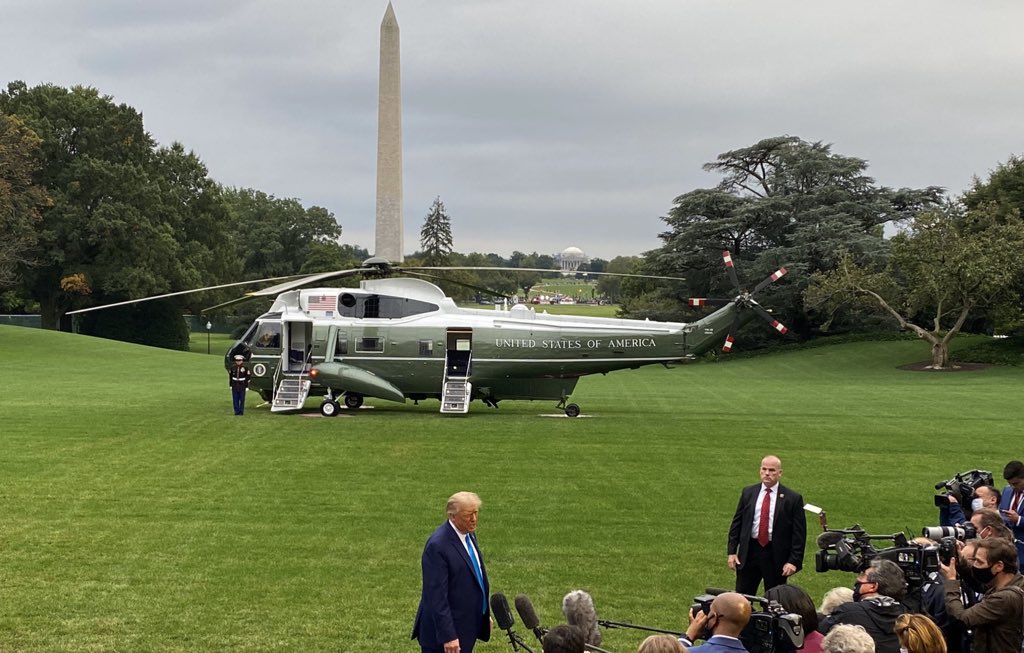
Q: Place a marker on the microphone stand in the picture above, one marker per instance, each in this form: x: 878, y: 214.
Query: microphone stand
x: 618, y: 624
x: 517, y: 641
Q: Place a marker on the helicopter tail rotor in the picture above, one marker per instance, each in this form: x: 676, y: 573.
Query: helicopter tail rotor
x: 743, y: 299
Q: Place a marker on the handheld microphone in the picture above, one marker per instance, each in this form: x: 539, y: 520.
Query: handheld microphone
x: 529, y: 617
x: 503, y: 615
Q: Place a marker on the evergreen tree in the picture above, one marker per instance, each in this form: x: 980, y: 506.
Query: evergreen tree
x: 436, y: 235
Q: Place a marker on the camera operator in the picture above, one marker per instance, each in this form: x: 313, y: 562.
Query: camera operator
x: 996, y: 619
x: 876, y: 605
x: 1010, y: 504
x: 988, y: 523
x: 951, y: 514
x: 728, y: 616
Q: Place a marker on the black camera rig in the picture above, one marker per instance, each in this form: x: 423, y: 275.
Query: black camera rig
x: 770, y: 630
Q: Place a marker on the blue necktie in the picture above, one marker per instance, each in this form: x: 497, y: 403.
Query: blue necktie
x: 476, y: 570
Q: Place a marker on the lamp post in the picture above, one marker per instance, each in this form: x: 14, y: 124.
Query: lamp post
x: 209, y: 325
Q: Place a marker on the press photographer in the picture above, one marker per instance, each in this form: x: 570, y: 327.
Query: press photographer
x: 996, y: 619
x: 957, y: 492
x: 772, y: 629
x: 876, y: 605
x: 721, y: 625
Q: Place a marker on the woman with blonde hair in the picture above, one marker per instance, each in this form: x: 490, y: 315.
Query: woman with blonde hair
x: 661, y: 644
x: 919, y: 634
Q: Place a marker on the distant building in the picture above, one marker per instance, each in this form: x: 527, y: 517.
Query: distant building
x: 570, y: 259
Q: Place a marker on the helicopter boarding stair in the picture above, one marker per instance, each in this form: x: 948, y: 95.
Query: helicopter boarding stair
x: 290, y: 389
x: 457, y: 390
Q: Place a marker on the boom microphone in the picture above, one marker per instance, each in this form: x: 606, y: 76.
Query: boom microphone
x: 829, y: 538
x: 503, y: 615
x: 578, y: 607
x: 529, y: 617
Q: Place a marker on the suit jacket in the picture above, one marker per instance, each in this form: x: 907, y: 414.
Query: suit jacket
x: 789, y: 528
x: 719, y: 644
x: 1018, y: 531
x: 451, y: 601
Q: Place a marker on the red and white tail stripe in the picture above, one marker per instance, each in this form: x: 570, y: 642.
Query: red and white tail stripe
x: 727, y: 255
x: 778, y: 274
x: 727, y: 347
x: 779, y: 326
x: 697, y: 301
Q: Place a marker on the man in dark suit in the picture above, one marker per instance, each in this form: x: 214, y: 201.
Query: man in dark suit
x: 453, y: 610
x: 1010, y: 503
x: 768, y: 532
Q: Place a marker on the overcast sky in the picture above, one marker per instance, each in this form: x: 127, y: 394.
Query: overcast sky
x: 541, y: 123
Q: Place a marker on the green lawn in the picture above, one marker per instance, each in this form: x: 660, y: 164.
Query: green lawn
x: 140, y: 515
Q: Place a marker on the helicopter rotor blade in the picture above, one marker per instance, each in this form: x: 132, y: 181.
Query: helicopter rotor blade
x: 698, y: 302
x: 775, y: 276
x: 727, y: 259
x: 767, y: 317
x: 308, y: 279
x: 552, y: 271
x: 731, y: 338
x: 178, y: 294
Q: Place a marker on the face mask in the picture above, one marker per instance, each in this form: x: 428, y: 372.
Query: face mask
x: 983, y: 575
x: 903, y: 650
x: 977, y: 504
x: 857, y: 596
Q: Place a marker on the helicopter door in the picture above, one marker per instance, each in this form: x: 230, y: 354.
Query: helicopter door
x: 456, y: 391
x: 460, y: 352
x: 300, y: 343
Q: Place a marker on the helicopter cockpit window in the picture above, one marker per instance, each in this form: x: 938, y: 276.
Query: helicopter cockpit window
x: 268, y: 336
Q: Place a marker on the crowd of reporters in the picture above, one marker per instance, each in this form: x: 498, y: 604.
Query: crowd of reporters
x: 969, y: 602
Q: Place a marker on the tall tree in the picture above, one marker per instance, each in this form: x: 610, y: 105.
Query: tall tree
x: 21, y: 199
x: 109, y: 233
x: 781, y: 201
x: 947, y: 265
x: 278, y: 237
x: 436, y: 235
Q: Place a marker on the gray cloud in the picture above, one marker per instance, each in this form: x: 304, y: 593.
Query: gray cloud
x: 541, y: 124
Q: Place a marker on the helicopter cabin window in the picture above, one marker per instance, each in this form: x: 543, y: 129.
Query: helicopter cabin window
x: 426, y: 347
x: 268, y: 336
x: 369, y: 344
x: 341, y: 346
x: 382, y: 306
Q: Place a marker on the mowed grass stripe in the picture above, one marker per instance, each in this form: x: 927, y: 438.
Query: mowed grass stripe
x: 140, y: 515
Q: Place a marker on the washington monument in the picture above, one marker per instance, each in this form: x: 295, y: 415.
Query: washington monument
x: 388, y: 237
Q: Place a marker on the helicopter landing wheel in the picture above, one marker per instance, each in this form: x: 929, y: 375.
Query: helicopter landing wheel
x: 353, y: 401
x: 329, y: 408
x: 572, y: 410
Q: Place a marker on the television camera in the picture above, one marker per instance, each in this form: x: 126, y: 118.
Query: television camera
x: 962, y: 487
x: 852, y: 549
x: 771, y: 629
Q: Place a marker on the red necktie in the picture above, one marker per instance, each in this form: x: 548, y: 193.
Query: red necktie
x: 766, y: 511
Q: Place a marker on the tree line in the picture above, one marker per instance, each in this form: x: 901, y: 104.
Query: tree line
x: 94, y: 211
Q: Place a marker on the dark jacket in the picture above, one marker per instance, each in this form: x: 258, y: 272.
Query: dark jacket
x: 452, y: 600
x: 789, y: 527
x: 996, y: 620
x: 238, y: 377
x: 876, y: 614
